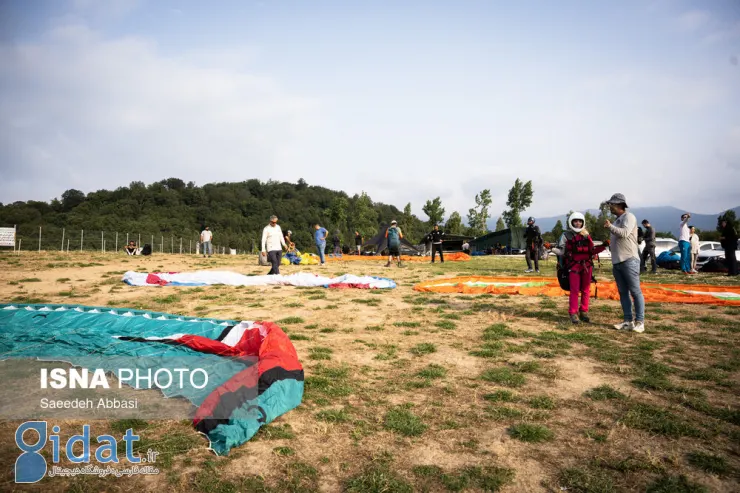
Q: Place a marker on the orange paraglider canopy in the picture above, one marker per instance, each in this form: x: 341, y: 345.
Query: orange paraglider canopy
x: 449, y: 257
x: 534, y: 286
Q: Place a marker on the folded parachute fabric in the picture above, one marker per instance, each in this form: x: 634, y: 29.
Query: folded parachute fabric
x: 209, y: 277
x: 449, y: 257
x: 253, y: 369
x: 534, y: 286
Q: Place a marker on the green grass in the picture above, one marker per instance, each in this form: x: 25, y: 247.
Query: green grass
x: 407, y: 324
x: 603, y: 392
x: 404, y: 422
x: 501, y: 396
x: 541, y: 402
x: 30, y: 279
x: 171, y: 298
x: 374, y: 328
x: 504, y: 376
x: 423, y: 348
x: 328, y: 330
x: 283, y: 451
x: 275, y: 432
x: 713, y: 464
x: 446, y: 325
x: 291, y: 320
x: 655, y: 419
x: 121, y: 425
x: 377, y: 478
x: 533, y: 433
x: 580, y: 480
x: 497, y: 331
x: 320, y: 353
x: 489, y: 478
x: 334, y: 415
x: 299, y: 337
x: 433, y: 371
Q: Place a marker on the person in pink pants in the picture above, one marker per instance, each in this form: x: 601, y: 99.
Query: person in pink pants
x: 578, y: 251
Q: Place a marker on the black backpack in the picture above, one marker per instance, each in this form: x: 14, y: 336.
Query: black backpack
x: 146, y: 249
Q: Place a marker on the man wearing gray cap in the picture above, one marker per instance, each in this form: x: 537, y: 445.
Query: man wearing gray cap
x: 626, y: 263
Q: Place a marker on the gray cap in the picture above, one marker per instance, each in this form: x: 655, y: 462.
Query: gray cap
x: 394, y: 222
x: 617, y: 198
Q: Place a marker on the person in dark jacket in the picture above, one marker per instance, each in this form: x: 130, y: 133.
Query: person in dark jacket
x: 358, y: 242
x: 533, y: 237
x: 728, y: 240
x: 436, y: 237
x: 337, y: 241
x: 649, y: 249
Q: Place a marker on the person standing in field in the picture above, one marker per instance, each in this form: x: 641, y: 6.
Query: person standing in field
x: 626, y: 263
x: 436, y: 237
x: 694, y: 241
x: 273, y: 243
x: 206, y: 236
x: 649, y: 249
x: 394, y: 236
x: 320, y: 238
x: 533, y: 237
x: 684, y: 243
x: 728, y: 240
x: 358, y: 242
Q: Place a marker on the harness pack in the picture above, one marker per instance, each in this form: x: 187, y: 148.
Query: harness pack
x: 394, y: 240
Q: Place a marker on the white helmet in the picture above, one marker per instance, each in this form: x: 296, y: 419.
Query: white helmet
x: 574, y: 216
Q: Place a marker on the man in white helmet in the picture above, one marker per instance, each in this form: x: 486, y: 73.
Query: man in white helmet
x: 577, y: 250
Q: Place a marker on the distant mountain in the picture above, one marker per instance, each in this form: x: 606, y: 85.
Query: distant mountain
x: 665, y: 218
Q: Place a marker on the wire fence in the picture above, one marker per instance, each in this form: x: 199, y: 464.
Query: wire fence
x: 50, y: 238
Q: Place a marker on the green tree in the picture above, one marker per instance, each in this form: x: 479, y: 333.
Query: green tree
x: 520, y: 198
x: 557, y: 230
x: 730, y: 217
x: 434, y: 210
x: 478, y: 216
x: 454, y: 224
x: 500, y: 226
x: 364, y: 217
x: 338, y: 214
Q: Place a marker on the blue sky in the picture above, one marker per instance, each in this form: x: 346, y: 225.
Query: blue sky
x: 405, y: 100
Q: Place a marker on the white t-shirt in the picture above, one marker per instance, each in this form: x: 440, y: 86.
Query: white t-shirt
x: 206, y: 235
x: 684, y: 233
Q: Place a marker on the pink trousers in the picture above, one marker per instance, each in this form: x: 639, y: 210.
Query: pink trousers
x: 580, y: 282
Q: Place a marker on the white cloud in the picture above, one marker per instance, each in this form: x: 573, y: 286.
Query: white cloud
x: 86, y: 112
x: 694, y: 20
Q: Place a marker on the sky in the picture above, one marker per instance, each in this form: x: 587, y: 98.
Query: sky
x: 404, y: 100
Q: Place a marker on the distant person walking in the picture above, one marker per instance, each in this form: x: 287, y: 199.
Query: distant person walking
x: 728, y: 239
x: 337, y: 242
x: 684, y: 243
x: 358, y: 242
x: 626, y: 263
x: 533, y: 237
x: 694, y: 241
x: 394, y: 236
x: 649, y: 250
x: 319, y: 237
x: 206, y: 236
x: 436, y: 237
x: 273, y: 243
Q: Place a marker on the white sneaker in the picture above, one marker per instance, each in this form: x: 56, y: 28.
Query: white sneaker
x: 529, y: 270
x: 638, y: 327
x: 624, y: 326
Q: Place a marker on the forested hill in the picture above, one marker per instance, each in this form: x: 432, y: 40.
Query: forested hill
x: 235, y: 212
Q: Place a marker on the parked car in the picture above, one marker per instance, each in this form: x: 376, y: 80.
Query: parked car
x: 711, y: 249
x: 661, y: 245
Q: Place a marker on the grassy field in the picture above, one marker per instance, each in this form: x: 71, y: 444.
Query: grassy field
x: 423, y: 392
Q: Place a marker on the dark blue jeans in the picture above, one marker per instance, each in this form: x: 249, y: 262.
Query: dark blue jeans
x: 321, y: 247
x: 627, y: 277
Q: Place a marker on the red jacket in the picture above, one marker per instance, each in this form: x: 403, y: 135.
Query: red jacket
x: 579, y: 251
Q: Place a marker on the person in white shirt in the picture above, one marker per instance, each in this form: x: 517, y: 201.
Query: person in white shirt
x: 206, y: 236
x: 273, y: 243
x: 684, y: 243
x: 694, y: 240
